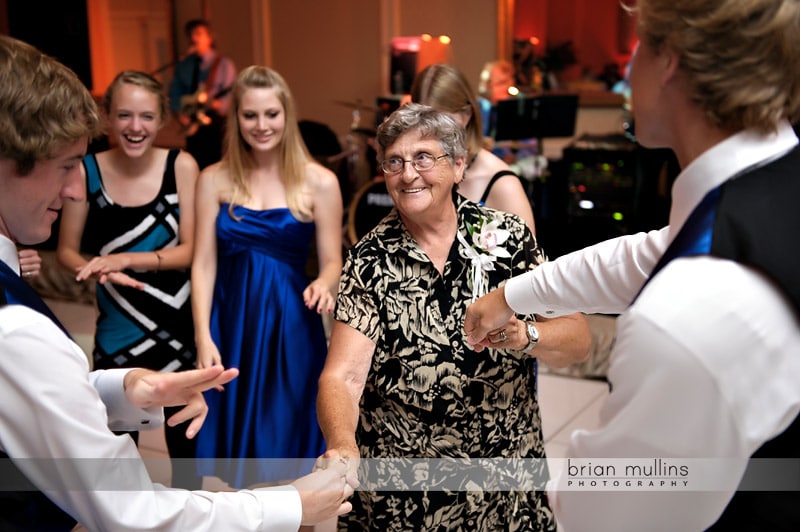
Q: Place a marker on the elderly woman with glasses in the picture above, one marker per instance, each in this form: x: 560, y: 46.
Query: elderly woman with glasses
x: 402, y: 393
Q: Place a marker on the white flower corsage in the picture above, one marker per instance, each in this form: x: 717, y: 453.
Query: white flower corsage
x: 487, y: 240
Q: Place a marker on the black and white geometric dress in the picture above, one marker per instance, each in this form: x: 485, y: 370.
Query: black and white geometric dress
x: 150, y: 328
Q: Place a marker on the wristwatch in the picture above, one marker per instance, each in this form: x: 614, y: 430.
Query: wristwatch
x: 533, y: 335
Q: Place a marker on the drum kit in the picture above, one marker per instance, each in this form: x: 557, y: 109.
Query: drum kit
x: 358, y: 145
x: 370, y: 202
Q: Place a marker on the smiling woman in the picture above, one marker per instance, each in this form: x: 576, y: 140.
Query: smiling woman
x: 400, y: 381
x: 259, y: 212
x: 136, y: 227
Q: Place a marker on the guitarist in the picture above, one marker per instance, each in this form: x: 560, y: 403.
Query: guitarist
x: 199, y: 93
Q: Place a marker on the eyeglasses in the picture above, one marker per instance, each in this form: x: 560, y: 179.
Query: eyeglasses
x: 421, y: 163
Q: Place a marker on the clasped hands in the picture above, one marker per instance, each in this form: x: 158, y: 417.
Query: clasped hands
x: 325, y: 492
x: 346, y: 462
x: 339, y: 458
x: 485, y: 320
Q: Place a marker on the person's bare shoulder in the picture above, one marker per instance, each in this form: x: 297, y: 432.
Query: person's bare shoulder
x: 185, y: 164
x: 319, y: 178
x: 216, y: 180
x: 491, y: 163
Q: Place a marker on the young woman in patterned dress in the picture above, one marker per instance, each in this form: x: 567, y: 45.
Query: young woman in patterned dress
x: 134, y: 234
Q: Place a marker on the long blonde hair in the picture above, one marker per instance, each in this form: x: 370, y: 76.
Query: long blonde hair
x: 445, y: 88
x: 293, y: 153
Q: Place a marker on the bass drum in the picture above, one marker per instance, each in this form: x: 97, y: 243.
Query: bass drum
x: 369, y: 206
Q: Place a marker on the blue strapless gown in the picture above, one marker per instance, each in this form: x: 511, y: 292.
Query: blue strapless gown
x: 262, y: 327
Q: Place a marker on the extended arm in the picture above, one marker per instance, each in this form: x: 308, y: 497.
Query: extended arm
x: 340, y: 387
x: 328, y: 220
x: 204, y: 270
x: 52, y: 413
x: 561, y: 341
x: 600, y: 279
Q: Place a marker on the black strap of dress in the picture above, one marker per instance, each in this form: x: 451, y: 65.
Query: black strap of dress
x: 492, y: 181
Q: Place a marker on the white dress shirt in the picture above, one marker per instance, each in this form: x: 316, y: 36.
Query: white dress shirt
x: 705, y: 361
x: 122, y: 416
x: 54, y: 424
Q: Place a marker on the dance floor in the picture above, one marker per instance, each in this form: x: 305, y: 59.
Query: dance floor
x: 567, y: 403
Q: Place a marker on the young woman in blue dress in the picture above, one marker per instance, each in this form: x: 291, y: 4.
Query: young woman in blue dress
x: 260, y: 211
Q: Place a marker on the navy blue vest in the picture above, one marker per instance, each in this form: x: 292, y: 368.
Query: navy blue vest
x: 22, y: 505
x: 753, y: 219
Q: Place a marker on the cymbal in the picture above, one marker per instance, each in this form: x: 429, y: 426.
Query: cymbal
x: 364, y: 131
x: 356, y: 105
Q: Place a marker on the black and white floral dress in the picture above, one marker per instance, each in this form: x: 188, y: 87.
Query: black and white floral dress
x: 428, y: 395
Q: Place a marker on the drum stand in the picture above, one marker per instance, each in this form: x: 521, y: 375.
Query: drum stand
x: 355, y: 146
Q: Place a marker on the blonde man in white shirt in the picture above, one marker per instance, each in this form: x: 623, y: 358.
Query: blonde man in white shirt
x: 705, y: 369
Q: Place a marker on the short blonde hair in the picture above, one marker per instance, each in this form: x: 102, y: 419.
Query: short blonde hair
x: 44, y: 105
x: 741, y: 58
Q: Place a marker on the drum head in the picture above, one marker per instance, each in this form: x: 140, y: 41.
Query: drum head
x: 369, y: 206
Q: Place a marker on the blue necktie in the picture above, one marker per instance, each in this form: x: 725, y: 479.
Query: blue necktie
x: 694, y: 238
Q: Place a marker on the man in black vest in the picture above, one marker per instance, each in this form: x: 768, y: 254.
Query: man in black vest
x: 59, y: 461
x: 701, y: 427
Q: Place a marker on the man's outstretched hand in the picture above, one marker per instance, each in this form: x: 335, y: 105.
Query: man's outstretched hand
x: 145, y: 388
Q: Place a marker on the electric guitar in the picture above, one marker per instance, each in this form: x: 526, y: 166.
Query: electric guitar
x: 196, y: 107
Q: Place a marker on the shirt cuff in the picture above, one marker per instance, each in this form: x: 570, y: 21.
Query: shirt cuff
x: 283, y: 509
x: 122, y: 415
x: 519, y: 296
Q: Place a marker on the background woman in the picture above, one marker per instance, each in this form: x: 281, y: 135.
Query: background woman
x: 488, y: 180
x: 136, y: 225
x: 258, y: 212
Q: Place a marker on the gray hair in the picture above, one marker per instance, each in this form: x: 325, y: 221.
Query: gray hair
x: 429, y: 123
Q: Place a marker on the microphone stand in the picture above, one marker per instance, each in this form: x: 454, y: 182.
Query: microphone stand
x: 171, y: 64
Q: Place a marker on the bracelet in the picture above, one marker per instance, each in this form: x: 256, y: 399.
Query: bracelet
x: 158, y: 256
